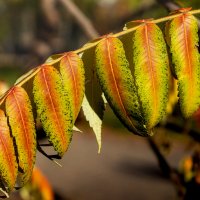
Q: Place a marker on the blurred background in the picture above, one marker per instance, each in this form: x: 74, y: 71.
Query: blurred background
x: 129, y: 167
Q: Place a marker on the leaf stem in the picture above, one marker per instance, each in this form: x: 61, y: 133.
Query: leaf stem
x: 125, y: 32
x: 94, y: 43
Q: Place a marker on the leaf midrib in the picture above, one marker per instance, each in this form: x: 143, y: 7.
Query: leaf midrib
x: 150, y: 66
x: 74, y: 83
x: 116, y: 85
x: 52, y: 105
x: 23, y: 123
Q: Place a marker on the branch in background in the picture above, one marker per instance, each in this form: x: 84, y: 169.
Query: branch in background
x: 81, y: 19
x: 51, y: 14
x: 137, y: 13
x: 173, y: 125
x: 171, y: 6
x: 167, y: 170
x: 164, y: 166
x: 13, y: 60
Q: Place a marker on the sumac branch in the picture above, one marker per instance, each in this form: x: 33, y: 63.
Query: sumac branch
x: 136, y: 83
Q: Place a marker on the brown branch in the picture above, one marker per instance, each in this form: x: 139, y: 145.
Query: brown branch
x: 81, y: 19
x: 50, y: 12
x: 167, y: 170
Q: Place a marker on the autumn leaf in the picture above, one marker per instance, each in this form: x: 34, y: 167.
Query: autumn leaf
x: 183, y: 36
x: 20, y: 117
x: 151, y: 71
x: 118, y: 85
x: 72, y: 71
x: 8, y: 163
x: 53, y: 108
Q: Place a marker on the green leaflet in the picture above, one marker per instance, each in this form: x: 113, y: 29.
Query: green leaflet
x: 21, y: 121
x: 183, y: 38
x: 53, y: 108
x: 72, y: 71
x: 151, y: 72
x: 8, y: 163
x: 117, y: 83
x: 93, y: 103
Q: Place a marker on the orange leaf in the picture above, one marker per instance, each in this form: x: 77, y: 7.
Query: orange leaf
x: 20, y: 117
x: 53, y: 107
x: 8, y: 163
x: 72, y: 71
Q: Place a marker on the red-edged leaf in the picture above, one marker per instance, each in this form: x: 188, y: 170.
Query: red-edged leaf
x: 53, y: 107
x: 72, y: 71
x: 118, y: 85
x: 20, y: 116
x: 183, y: 39
x: 8, y: 163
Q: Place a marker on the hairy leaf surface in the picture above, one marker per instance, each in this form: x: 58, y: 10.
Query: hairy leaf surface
x: 151, y: 71
x: 20, y: 116
x: 53, y: 107
x: 72, y: 71
x: 8, y: 163
x: 183, y: 34
x: 117, y: 83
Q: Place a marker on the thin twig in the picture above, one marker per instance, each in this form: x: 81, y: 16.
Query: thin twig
x: 81, y: 19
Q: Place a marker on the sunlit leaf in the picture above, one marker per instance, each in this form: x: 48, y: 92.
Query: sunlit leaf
x: 183, y: 34
x: 8, y: 163
x: 118, y: 85
x: 20, y: 117
x: 151, y: 71
x: 53, y: 107
x: 72, y: 71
